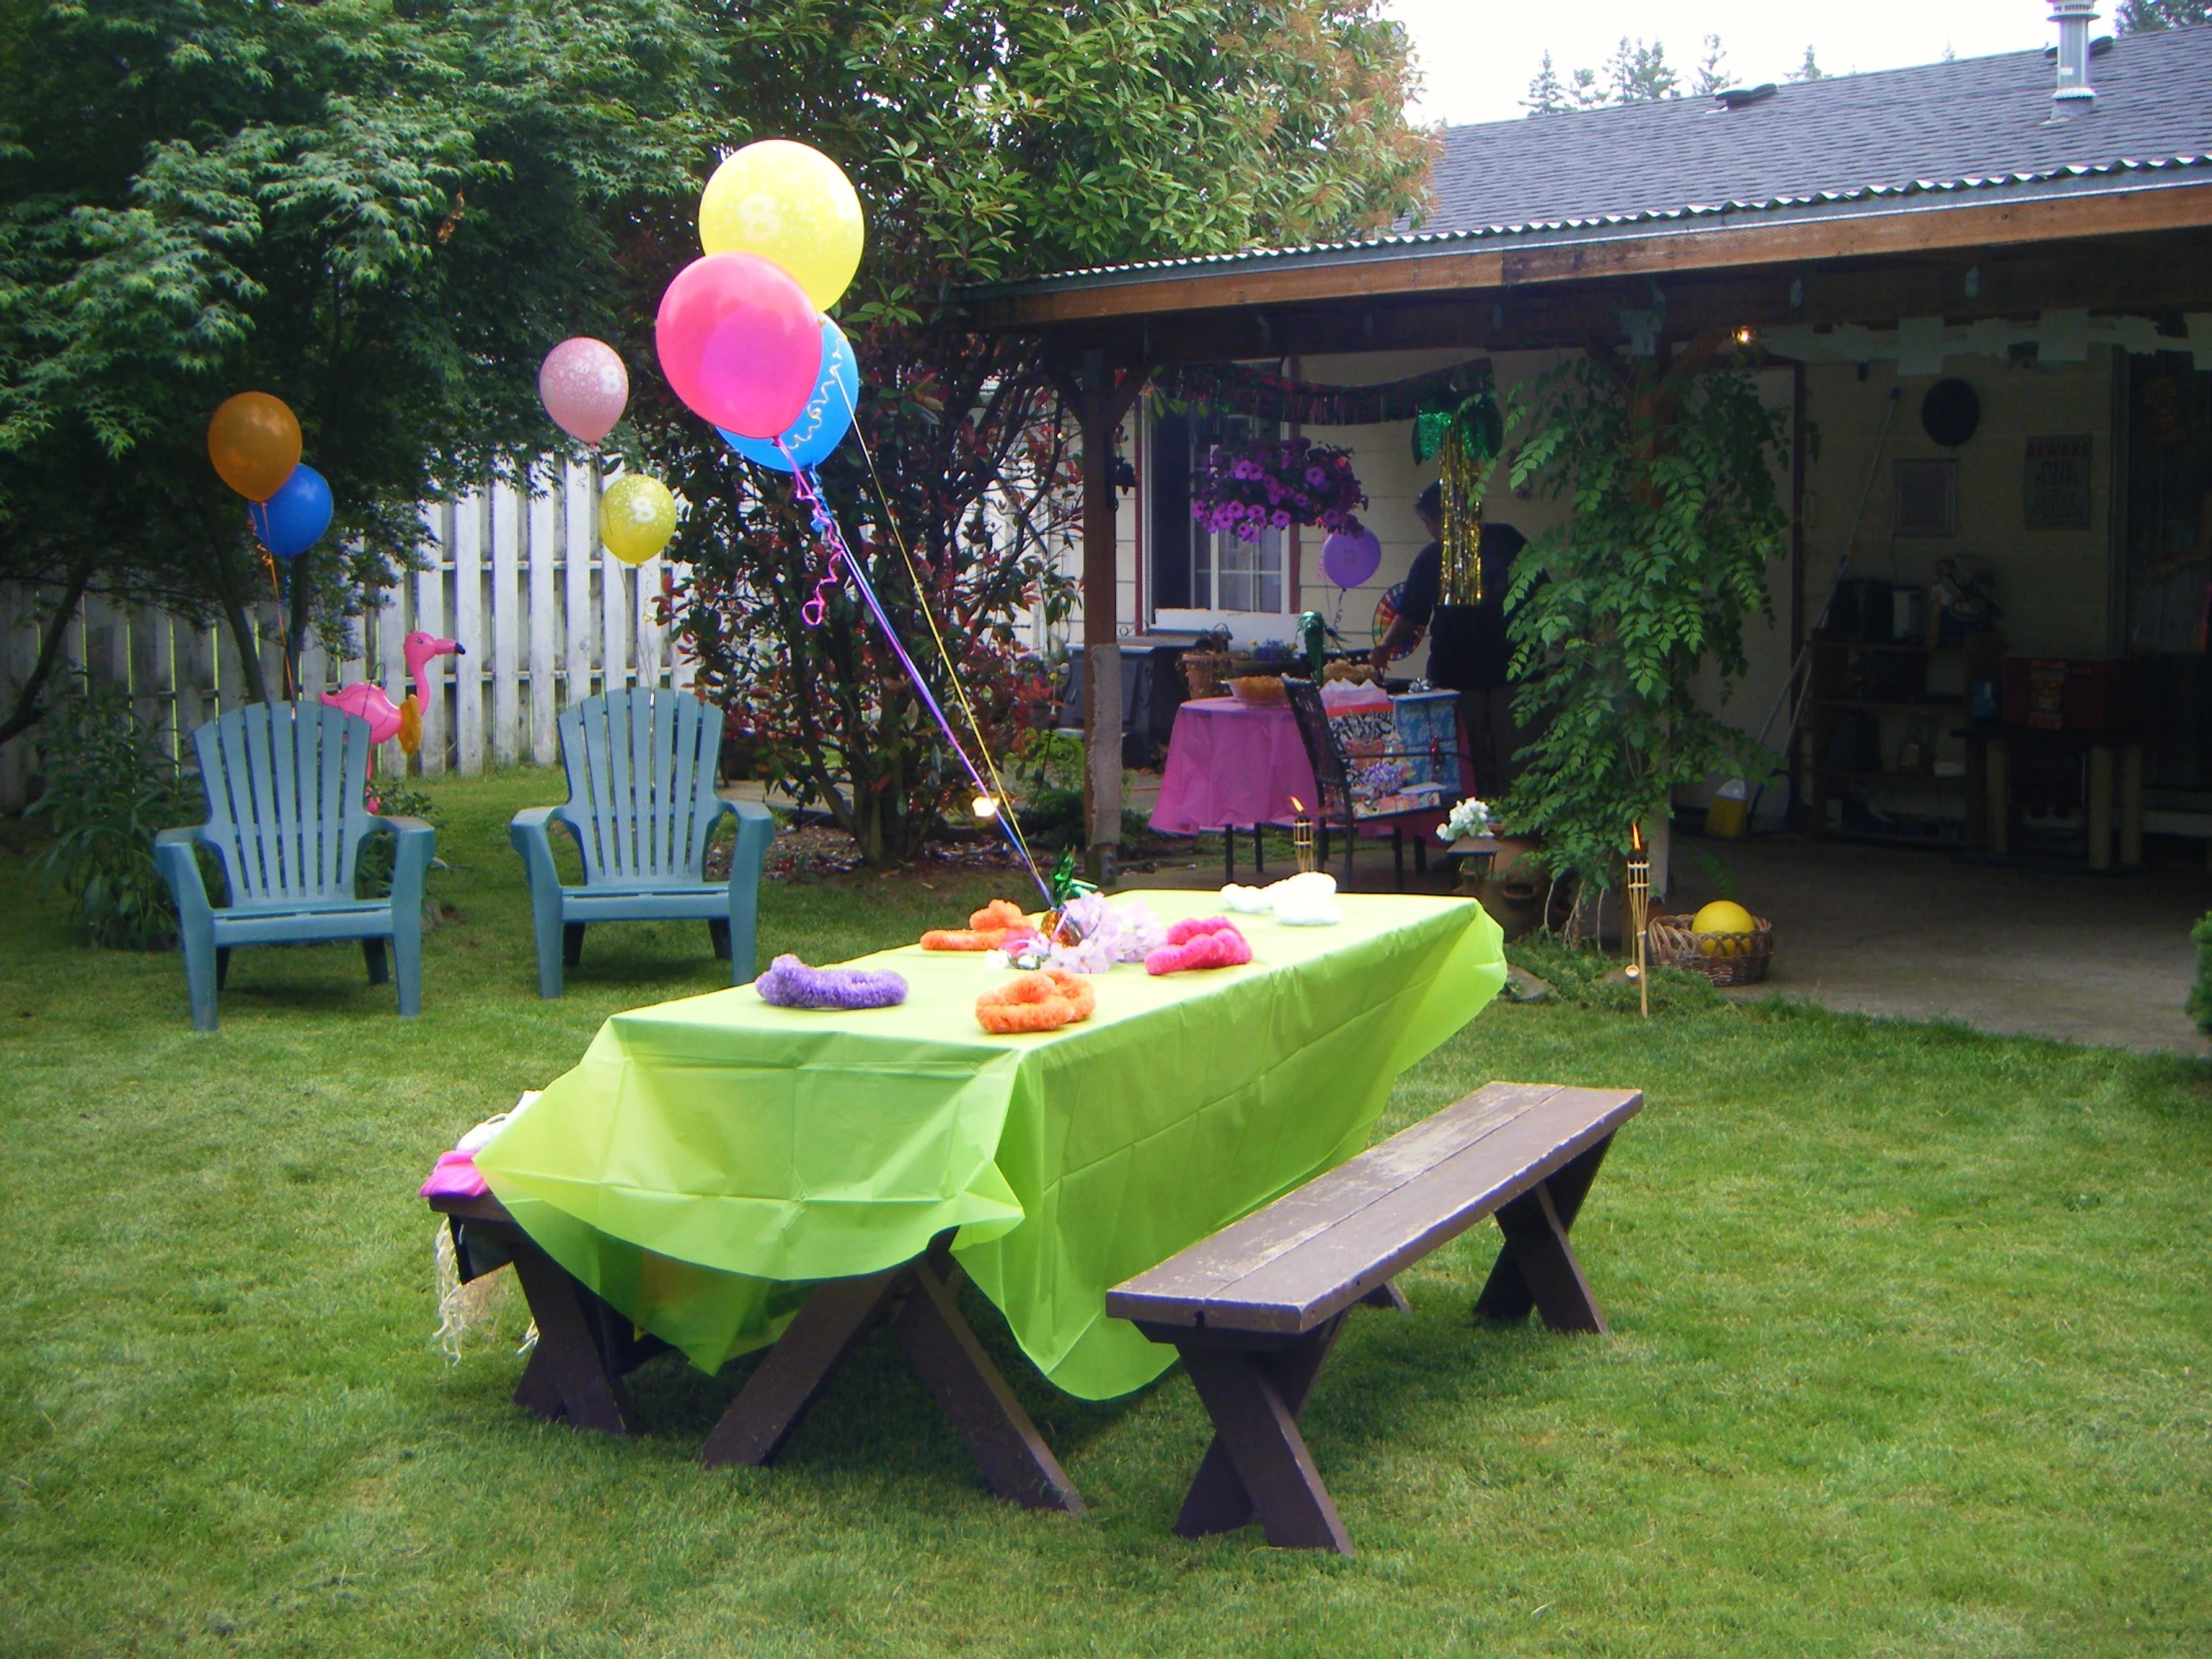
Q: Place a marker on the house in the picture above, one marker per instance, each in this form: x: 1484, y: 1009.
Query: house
x: 2040, y: 233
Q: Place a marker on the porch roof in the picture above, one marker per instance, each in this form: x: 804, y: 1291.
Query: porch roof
x: 1961, y: 154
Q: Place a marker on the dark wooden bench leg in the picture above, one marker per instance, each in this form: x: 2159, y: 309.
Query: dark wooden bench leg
x: 566, y: 1369
x: 572, y: 943
x: 718, y: 935
x: 1015, y: 1462
x: 1537, y: 1268
x: 372, y: 952
x: 784, y: 1383
x: 1255, y: 1400
x: 1216, y: 1500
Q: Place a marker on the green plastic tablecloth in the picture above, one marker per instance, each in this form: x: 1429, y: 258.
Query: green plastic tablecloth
x: 711, y: 1156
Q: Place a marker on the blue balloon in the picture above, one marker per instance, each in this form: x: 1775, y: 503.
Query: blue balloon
x: 293, y: 519
x: 827, y: 416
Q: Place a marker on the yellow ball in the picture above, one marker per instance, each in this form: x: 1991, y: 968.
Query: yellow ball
x: 1724, y: 916
x: 791, y: 204
x: 637, y: 516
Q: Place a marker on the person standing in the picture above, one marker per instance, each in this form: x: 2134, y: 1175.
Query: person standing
x: 1468, y: 651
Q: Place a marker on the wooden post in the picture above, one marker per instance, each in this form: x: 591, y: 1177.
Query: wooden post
x: 1101, y: 397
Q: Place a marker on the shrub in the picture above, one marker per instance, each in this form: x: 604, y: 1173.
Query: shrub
x: 372, y: 870
x: 109, y: 789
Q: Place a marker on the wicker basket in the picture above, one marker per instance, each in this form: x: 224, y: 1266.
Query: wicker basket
x: 1724, y: 958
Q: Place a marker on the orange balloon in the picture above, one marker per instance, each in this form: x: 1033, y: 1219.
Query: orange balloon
x: 254, y: 441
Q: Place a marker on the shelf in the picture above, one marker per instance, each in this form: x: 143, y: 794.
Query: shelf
x: 1926, y: 705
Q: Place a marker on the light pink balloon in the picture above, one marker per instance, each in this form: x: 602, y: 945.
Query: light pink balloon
x: 584, y: 387
x: 741, y: 343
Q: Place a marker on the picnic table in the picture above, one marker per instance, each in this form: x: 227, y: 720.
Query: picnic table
x: 716, y: 1165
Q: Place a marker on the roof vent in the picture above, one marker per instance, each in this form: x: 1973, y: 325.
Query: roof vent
x: 1736, y: 97
x: 2074, y: 18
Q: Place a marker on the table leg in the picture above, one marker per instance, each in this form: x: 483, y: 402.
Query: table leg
x: 2131, y: 805
x: 1012, y: 1456
x: 1258, y: 850
x: 1537, y: 1266
x: 1257, y: 1426
x: 761, y: 1419
x: 567, y: 1372
x: 1227, y: 853
x: 1218, y: 1500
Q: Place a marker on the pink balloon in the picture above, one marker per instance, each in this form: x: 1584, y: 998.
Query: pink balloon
x: 584, y: 387
x: 741, y: 343
x: 1349, y: 559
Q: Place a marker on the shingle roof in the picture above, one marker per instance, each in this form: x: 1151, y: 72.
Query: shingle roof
x: 1974, y: 122
x: 1973, y: 126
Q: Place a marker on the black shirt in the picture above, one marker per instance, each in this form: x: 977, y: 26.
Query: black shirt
x: 1467, y: 649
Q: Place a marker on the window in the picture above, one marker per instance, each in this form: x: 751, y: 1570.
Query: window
x: 1192, y: 568
x: 1927, y: 498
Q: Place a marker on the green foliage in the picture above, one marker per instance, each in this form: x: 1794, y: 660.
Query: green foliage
x: 1807, y: 70
x: 1670, y: 471
x: 1580, y: 976
x: 108, y: 789
x: 989, y: 140
x: 2135, y: 16
x: 372, y: 867
x: 2200, y: 993
x: 382, y: 213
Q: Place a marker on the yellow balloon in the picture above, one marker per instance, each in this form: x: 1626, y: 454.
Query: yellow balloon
x: 636, y: 516
x: 791, y: 204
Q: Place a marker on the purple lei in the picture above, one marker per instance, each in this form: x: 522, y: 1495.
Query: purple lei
x: 790, y: 983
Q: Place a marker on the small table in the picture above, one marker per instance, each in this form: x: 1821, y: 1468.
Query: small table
x: 1233, y: 766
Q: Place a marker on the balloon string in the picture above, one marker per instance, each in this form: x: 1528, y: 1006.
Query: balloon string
x: 945, y: 654
x: 807, y: 487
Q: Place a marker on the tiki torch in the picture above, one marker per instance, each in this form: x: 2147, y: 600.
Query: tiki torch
x: 1639, y: 906
x: 1302, y: 836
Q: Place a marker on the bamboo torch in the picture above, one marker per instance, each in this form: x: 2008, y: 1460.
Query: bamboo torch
x: 1639, y: 905
x: 1302, y: 836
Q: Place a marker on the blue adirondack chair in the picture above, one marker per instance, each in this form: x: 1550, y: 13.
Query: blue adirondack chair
x: 642, y: 806
x: 286, y: 819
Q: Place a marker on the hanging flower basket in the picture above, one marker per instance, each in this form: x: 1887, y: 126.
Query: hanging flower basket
x: 1269, y: 484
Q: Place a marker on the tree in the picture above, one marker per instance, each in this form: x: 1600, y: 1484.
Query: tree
x: 1547, y: 94
x: 989, y: 141
x: 2134, y: 16
x: 381, y: 211
x: 1640, y: 73
x: 1711, y: 70
x: 1670, y: 467
x: 1807, y: 70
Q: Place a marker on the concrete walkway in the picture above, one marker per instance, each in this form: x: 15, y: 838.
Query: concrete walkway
x: 2087, y: 958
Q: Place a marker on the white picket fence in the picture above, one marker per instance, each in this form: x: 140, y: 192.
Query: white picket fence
x: 520, y: 580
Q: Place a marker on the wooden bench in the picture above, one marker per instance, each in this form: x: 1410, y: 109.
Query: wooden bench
x: 1254, y: 1309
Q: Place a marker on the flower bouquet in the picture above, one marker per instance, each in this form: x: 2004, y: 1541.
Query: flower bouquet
x: 1274, y: 485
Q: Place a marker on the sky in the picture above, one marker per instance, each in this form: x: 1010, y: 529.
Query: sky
x: 1478, y: 56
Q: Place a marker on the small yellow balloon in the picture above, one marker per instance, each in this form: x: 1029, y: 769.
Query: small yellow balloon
x: 636, y: 516
x: 253, y: 441
x: 791, y: 204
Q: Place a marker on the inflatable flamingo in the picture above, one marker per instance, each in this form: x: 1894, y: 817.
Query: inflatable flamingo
x: 387, y: 720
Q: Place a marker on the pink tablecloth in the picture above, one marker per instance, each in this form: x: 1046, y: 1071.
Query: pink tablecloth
x: 1232, y: 764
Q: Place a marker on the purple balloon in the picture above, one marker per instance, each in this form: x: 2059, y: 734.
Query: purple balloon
x: 1349, y: 559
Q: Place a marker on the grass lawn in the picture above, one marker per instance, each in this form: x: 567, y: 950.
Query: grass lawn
x: 1907, y: 1324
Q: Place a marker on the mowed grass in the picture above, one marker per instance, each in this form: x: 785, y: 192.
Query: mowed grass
x: 1908, y: 1355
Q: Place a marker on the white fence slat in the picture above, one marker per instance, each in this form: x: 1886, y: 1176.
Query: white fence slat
x: 468, y: 628
x: 504, y: 509
x: 544, y: 533
x: 579, y: 554
x: 430, y: 618
x: 614, y: 599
